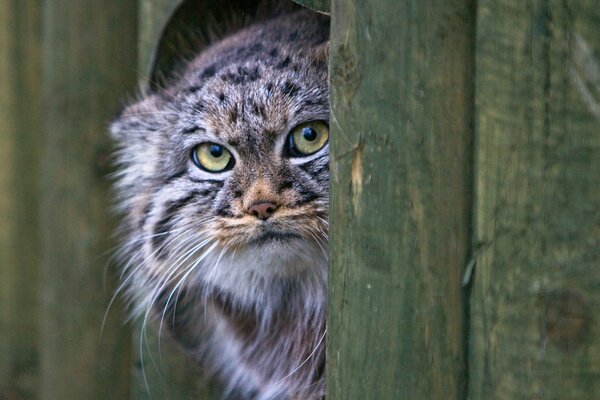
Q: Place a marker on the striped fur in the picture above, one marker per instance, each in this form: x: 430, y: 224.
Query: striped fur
x: 246, y: 297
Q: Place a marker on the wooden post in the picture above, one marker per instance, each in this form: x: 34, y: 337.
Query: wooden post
x: 89, y: 59
x: 154, y: 15
x: 535, y: 323
x: 19, y: 158
x: 401, y: 80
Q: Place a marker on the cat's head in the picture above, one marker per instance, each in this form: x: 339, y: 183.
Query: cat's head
x: 223, y: 176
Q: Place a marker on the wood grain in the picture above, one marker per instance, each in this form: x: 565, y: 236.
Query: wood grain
x: 535, y: 329
x: 20, y: 135
x: 89, y: 57
x: 401, y: 81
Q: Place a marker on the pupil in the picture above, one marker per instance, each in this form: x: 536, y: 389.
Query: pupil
x: 309, y: 134
x: 216, y: 150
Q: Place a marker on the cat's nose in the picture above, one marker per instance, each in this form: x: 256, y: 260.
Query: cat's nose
x: 262, y: 210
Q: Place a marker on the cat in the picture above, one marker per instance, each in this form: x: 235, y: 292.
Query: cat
x: 222, y: 180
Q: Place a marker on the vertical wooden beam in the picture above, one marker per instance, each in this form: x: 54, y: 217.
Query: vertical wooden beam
x: 536, y: 295
x: 89, y: 53
x: 154, y: 15
x: 20, y: 135
x: 401, y: 81
x: 163, y: 371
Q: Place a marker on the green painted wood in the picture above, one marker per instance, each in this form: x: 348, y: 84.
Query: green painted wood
x: 154, y: 15
x: 322, y: 6
x: 89, y: 58
x: 19, y: 157
x: 401, y: 80
x: 535, y: 322
x: 163, y: 371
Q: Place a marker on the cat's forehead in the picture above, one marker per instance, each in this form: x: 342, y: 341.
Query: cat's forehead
x: 247, y: 99
x: 257, y: 83
x: 255, y: 100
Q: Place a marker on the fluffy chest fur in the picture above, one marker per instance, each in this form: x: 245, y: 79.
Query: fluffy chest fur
x: 223, y: 182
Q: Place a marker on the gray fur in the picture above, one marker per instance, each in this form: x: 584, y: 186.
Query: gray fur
x: 251, y: 310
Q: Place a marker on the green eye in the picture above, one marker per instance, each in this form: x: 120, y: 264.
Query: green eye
x: 212, y: 157
x: 308, y: 138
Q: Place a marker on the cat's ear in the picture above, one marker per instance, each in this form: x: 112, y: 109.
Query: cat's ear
x: 137, y: 121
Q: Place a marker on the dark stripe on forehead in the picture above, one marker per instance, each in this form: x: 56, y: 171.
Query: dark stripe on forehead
x: 233, y: 114
x: 258, y: 110
x: 192, y: 129
x: 241, y: 75
x: 316, y: 101
x: 290, y: 89
x: 284, y: 64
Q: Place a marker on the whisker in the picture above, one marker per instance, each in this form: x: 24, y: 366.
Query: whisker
x: 305, y: 360
x: 178, y: 287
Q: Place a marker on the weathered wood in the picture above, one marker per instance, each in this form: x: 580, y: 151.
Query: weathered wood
x: 535, y: 322
x: 154, y: 15
x: 19, y: 157
x: 89, y: 53
x: 163, y: 371
x: 400, y: 197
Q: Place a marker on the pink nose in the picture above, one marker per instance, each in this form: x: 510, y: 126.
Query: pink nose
x: 262, y: 210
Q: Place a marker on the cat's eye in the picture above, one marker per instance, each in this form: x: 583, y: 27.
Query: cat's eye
x: 308, y: 138
x: 212, y: 157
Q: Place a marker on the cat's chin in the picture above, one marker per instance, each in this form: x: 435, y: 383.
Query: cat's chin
x: 255, y: 270
x: 274, y: 238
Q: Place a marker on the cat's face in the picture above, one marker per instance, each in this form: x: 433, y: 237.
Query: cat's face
x: 224, y: 176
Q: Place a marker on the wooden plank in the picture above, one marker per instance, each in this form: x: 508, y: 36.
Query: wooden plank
x: 163, y: 371
x: 154, y: 15
x: 89, y: 53
x: 400, y: 197
x: 19, y: 156
x: 536, y: 298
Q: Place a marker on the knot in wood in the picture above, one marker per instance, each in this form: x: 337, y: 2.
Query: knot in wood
x: 566, y: 319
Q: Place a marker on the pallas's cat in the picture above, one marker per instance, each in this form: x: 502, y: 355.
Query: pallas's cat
x: 223, y: 183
